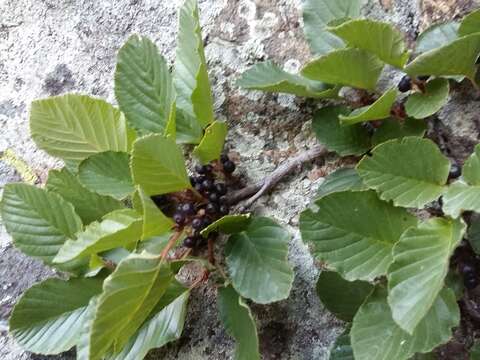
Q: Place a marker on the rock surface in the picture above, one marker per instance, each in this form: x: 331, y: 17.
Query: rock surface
x: 51, y: 47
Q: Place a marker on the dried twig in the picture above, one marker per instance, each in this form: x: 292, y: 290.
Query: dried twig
x: 253, y: 192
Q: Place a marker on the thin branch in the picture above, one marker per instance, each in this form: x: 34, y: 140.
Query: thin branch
x: 253, y: 192
x: 171, y: 243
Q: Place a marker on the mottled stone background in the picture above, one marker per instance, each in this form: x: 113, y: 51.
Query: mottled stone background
x: 49, y: 47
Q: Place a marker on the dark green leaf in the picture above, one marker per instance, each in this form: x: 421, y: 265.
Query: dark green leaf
x: 155, y: 222
x: 342, y: 349
x: 228, y: 224
x: 188, y: 129
x: 475, y: 351
x: 394, y: 129
x: 470, y: 24
x: 211, y: 145
x: 340, y: 180
x: 421, y: 105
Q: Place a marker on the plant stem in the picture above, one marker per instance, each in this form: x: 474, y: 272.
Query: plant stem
x: 171, y: 242
x: 253, y: 192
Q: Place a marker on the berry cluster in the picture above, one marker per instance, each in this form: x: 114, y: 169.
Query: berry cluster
x: 193, y: 211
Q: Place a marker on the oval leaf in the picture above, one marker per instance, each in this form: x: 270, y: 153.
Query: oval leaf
x: 352, y: 67
x: 158, y: 165
x: 73, y: 127
x: 342, y: 297
x: 445, y: 61
x: 421, y: 260
x: 107, y: 173
x: 143, y: 86
x: 470, y: 24
x: 257, y: 262
x: 211, y: 145
x: 89, y: 205
x: 394, y: 129
x: 340, y: 180
x: 49, y: 316
x: 267, y: 76
x: 436, y: 36
x: 375, y: 336
x: 346, y: 235
x: 238, y: 321
x: 411, y: 171
x: 380, y: 109
x: 421, y: 105
x: 380, y: 38
x: 228, y: 224
x: 471, y: 168
x: 345, y: 140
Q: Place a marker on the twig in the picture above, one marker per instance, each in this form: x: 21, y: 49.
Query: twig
x: 253, y: 192
x: 211, y: 255
x: 171, y: 242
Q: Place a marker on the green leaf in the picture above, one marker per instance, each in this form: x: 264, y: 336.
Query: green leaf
x: 380, y: 109
x: 73, y: 127
x: 345, y: 140
x: 158, y: 165
x: 318, y: 14
x: 421, y: 260
x: 88, y: 205
x: 107, y: 173
x: 165, y: 325
x: 155, y: 222
x: 117, y: 229
x: 257, y: 262
x: 83, y: 341
x: 143, y: 86
x: 228, y: 224
x: 375, y: 336
x: 194, y: 95
x: 346, y: 235
x: 267, y: 76
x: 473, y: 233
x: 211, y: 146
x: 342, y: 349
x: 341, y: 297
x: 39, y: 221
x: 340, y: 180
x: 380, y: 38
x: 470, y: 24
x: 421, y: 105
x: 49, y: 316
x: 129, y: 295
x: 188, y: 129
x: 475, y: 351
x: 410, y: 171
x: 463, y: 196
x: 445, y: 61
x: 239, y: 323
x: 436, y: 36
x: 394, y: 129
x: 352, y: 67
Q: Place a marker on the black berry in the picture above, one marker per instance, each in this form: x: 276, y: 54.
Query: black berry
x: 203, y: 169
x: 423, y: 77
x: 213, y: 197
x: 405, y: 84
x: 228, y: 167
x: 224, y: 158
x: 193, y: 180
x: 205, y: 222
x: 179, y: 218
x: 470, y: 281
x: 207, y: 184
x: 223, y: 210
x: 211, y: 209
x: 197, y: 223
x: 220, y: 188
x: 455, y: 171
x: 160, y: 200
x: 190, y: 242
x: 188, y: 209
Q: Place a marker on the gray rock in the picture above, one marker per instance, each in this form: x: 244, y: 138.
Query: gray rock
x: 51, y: 47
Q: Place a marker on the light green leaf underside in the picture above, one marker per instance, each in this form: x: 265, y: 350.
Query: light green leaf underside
x: 73, y: 127
x: 89, y: 205
x: 117, y: 229
x: 143, y: 86
x: 165, y: 325
x: 470, y: 24
x: 351, y: 67
x: 380, y: 38
x: 228, y: 224
x: 317, y: 14
x: 471, y: 168
x: 39, y: 221
x: 436, y: 36
x: 341, y: 297
x: 421, y: 105
x: 238, y: 321
x: 211, y: 145
x: 83, y: 342
x: 340, y: 180
x: 347, y: 237
x: 107, y: 173
x: 342, y: 349
x: 421, y: 261
x: 129, y: 294
x: 48, y: 317
x: 375, y: 336
x: 267, y: 76
x: 194, y: 95
x: 257, y: 262
x: 380, y: 109
x: 445, y: 61
x: 155, y: 222
x: 461, y: 197
x: 158, y: 165
x: 345, y: 140
x: 410, y: 171
x: 393, y: 129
